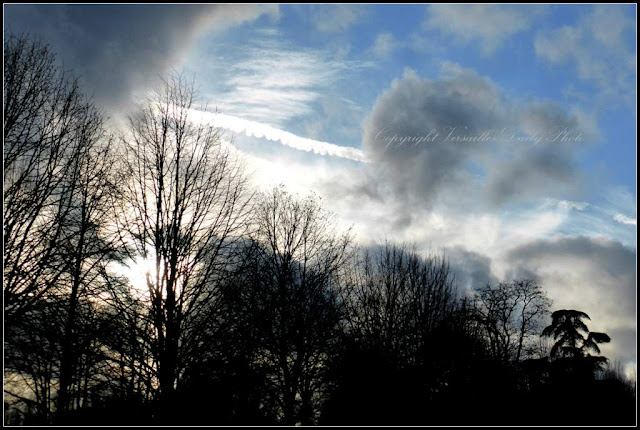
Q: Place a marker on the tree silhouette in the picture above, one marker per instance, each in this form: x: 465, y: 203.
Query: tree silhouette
x: 258, y: 308
x: 58, y: 192
x: 395, y: 298
x: 295, y: 256
x: 510, y: 314
x: 48, y: 125
x: 574, y: 344
x: 572, y: 336
x: 183, y: 207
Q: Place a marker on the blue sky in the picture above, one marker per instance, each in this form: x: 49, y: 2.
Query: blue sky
x: 415, y: 41
x: 326, y: 86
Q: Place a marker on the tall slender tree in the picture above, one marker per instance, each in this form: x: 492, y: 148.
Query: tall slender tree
x: 184, y: 206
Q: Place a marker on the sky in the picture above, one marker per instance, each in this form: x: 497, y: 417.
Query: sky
x: 500, y: 135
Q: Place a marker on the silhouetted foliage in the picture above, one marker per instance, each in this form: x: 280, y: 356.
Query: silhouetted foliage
x: 257, y: 308
x: 49, y: 126
x: 510, y: 314
x: 183, y: 207
x: 574, y: 343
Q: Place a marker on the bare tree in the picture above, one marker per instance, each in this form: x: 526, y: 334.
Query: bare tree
x: 396, y: 298
x: 534, y: 306
x: 184, y: 206
x: 293, y: 263
x: 510, y: 314
x: 45, y: 116
x: 32, y: 360
x: 59, y: 189
x: 88, y: 244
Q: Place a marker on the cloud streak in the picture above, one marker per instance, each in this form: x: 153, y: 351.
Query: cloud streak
x: 625, y: 219
x: 264, y: 131
x: 266, y: 80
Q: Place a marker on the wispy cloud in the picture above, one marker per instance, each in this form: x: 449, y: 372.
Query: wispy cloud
x: 625, y: 219
x: 385, y: 44
x: 272, y: 83
x: 598, y: 48
x: 567, y: 204
x: 489, y: 25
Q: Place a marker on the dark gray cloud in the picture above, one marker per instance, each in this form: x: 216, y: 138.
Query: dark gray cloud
x: 594, y: 275
x: 604, y: 255
x: 461, y: 134
x: 472, y: 270
x: 544, y: 163
x: 411, y: 131
x: 120, y: 49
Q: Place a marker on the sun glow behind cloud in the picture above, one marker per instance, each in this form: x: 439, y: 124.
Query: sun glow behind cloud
x: 137, y: 271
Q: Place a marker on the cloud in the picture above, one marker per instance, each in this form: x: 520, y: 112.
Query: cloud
x: 273, y: 84
x: 590, y: 219
x: 414, y: 108
x: 623, y: 342
x: 594, y: 275
x: 550, y: 165
x: 625, y: 219
x: 489, y: 25
x: 267, y: 80
x: 471, y: 269
x: 431, y: 138
x: 259, y: 130
x: 600, y: 49
x: 568, y: 205
x: 621, y: 199
x: 384, y: 45
x: 336, y: 18
x: 119, y: 49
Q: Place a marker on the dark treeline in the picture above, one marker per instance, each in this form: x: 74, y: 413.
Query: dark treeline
x: 256, y: 307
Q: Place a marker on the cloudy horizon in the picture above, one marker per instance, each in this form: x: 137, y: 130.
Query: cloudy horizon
x: 501, y: 136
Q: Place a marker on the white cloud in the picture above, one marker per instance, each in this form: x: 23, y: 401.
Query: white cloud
x: 269, y: 81
x: 259, y: 130
x: 490, y: 25
x: 624, y: 219
x: 274, y: 84
x: 568, y: 204
x: 596, y: 47
x: 384, y: 45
